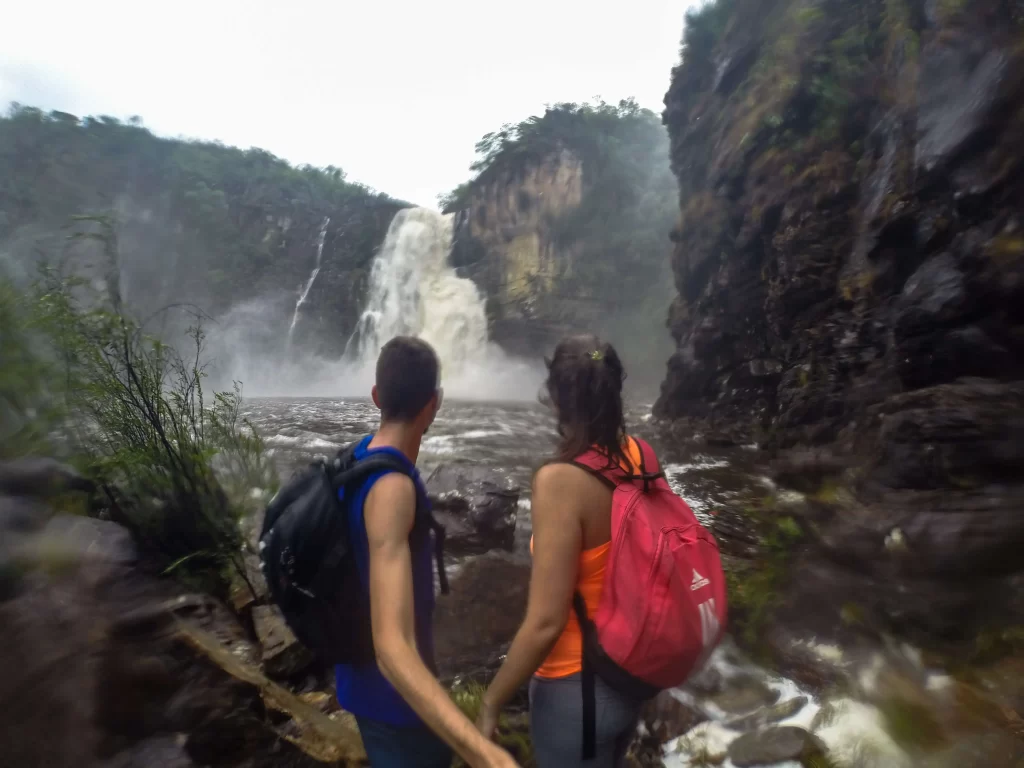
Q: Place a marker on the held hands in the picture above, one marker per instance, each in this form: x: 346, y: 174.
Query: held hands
x: 500, y: 759
x: 487, y: 721
x: 487, y: 724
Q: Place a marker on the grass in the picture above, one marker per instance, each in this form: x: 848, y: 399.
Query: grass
x: 755, y: 592
x: 513, y: 730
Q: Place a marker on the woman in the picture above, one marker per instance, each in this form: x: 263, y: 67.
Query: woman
x: 571, y: 513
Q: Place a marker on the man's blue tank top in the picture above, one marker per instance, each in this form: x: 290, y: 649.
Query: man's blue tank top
x: 362, y: 689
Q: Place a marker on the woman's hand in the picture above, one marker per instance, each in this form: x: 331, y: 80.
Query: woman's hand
x: 487, y: 720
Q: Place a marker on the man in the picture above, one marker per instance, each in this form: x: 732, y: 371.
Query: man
x: 405, y: 717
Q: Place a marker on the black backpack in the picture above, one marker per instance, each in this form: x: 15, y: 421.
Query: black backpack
x: 308, y: 561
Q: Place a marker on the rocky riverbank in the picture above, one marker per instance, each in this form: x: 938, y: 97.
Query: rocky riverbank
x: 848, y: 260
x: 108, y: 663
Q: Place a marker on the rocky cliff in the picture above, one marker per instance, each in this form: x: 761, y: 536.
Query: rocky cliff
x: 849, y: 260
x: 212, y: 226
x: 563, y: 228
x: 505, y: 241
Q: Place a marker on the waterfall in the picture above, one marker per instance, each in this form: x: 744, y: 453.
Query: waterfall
x: 304, y: 290
x: 413, y: 292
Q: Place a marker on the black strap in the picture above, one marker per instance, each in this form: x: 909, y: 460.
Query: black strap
x: 595, y: 473
x: 348, y: 470
x: 588, y: 684
x: 439, y: 534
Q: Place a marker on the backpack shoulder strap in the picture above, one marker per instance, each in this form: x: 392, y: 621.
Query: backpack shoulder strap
x: 348, y: 470
x: 601, y: 467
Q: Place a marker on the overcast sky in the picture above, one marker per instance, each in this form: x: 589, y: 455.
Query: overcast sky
x: 395, y: 92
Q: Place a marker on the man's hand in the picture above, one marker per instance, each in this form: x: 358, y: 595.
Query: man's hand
x: 487, y: 722
x: 498, y: 758
x: 389, y: 513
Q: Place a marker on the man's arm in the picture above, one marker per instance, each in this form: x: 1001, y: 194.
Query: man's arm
x: 390, y: 512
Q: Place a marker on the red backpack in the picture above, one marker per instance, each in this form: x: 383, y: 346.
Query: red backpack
x: 663, y: 604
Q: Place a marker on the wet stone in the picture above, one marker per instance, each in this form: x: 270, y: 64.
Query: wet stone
x: 775, y: 745
x: 667, y: 717
x: 767, y: 715
x: 477, y: 506
x: 283, y: 655
x: 744, y: 694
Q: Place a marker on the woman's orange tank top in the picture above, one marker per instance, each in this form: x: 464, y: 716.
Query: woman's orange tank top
x: 566, y: 657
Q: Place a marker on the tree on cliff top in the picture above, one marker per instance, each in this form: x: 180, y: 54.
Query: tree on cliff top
x: 621, y: 226
x: 594, y: 132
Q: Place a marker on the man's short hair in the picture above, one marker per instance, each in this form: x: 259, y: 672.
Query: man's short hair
x: 407, y: 377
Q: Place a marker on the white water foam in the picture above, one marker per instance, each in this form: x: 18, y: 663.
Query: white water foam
x: 304, y: 292
x: 414, y: 292
x: 853, y: 732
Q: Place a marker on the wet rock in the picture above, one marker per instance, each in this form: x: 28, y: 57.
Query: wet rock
x: 707, y: 681
x: 40, y: 477
x: 81, y: 538
x: 477, y: 507
x: 283, y: 655
x: 735, y: 533
x: 767, y: 715
x: 969, y: 432
x: 158, y: 752
x: 960, y: 87
x: 775, y: 745
x: 743, y: 694
x: 247, y: 593
x: 474, y: 624
x: 321, y: 700
x: 667, y: 717
x: 806, y: 470
x: 732, y: 67
x: 994, y: 749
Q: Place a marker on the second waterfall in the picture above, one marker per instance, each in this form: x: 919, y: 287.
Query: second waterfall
x: 413, y: 291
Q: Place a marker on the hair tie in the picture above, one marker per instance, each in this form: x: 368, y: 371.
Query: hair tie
x: 597, y: 355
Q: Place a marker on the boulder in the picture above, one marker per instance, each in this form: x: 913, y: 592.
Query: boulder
x: 283, y: 655
x: 667, y: 717
x: 767, y: 715
x: 477, y: 507
x: 744, y: 693
x: 474, y: 624
x: 40, y: 477
x: 158, y: 752
x: 775, y: 745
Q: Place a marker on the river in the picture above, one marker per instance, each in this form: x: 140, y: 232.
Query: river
x: 513, y: 438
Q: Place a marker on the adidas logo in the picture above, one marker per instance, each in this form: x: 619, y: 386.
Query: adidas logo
x: 698, y: 581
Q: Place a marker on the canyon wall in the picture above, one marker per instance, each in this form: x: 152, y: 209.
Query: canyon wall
x: 564, y: 229
x: 849, y: 262
x: 213, y: 227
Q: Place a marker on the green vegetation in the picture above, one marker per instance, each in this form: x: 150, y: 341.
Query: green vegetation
x: 755, y: 591
x: 175, y: 463
x: 994, y: 643
x: 513, y: 730
x: 227, y: 223
x: 619, y: 231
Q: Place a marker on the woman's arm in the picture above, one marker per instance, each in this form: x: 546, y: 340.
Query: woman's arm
x: 557, y: 543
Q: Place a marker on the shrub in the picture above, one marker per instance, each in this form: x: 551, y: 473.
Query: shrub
x: 174, y: 463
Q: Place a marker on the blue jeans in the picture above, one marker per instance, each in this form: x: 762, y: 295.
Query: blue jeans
x: 392, y: 746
